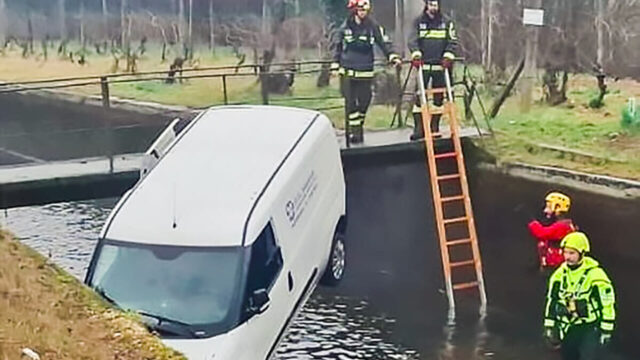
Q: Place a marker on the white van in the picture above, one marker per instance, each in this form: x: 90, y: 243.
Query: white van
x: 225, y: 238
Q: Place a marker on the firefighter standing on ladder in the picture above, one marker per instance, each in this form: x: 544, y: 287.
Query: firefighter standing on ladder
x: 550, y: 230
x: 580, y: 310
x: 432, y: 45
x: 353, y: 58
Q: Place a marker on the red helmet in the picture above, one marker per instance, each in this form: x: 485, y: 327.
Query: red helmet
x: 359, y: 4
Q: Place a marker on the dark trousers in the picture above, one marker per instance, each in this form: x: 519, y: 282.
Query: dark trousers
x: 437, y: 81
x: 582, y: 342
x: 357, y: 95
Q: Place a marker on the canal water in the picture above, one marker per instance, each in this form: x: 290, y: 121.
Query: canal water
x: 329, y: 327
x: 391, y: 304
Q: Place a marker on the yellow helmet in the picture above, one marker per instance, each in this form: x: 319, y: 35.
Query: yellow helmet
x: 578, y: 241
x: 558, y: 202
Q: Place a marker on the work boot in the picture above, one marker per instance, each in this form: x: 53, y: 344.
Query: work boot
x: 418, y: 130
x: 357, y: 135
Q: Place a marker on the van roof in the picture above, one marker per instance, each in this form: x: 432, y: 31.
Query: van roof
x: 210, y: 179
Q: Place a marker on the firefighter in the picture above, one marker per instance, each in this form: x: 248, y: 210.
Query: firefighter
x: 580, y: 308
x: 353, y: 59
x: 553, y: 227
x: 433, y: 43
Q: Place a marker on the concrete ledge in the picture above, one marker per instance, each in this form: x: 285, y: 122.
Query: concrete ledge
x: 599, y: 184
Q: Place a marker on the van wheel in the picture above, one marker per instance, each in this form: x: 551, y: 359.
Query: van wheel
x: 334, y: 272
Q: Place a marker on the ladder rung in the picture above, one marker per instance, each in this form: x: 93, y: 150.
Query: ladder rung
x: 462, y: 263
x: 436, y: 135
x: 452, y: 198
x: 455, y: 220
x: 446, y: 155
x: 449, y: 177
x: 466, y: 285
x: 458, y: 242
x: 436, y: 112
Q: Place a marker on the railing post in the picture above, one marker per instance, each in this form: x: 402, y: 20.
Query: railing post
x: 106, y: 103
x: 224, y: 89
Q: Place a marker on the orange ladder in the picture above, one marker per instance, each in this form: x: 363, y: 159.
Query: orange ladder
x: 435, y: 160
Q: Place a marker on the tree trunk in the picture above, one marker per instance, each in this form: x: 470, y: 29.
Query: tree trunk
x: 190, y: 52
x: 265, y: 18
x: 484, y: 15
x: 3, y: 23
x: 212, y: 35
x: 123, y: 23
x: 62, y: 19
x: 298, y: 22
x: 491, y: 20
x: 105, y: 20
x: 82, y: 37
x: 600, y: 31
x: 181, y: 25
x: 399, y: 28
x: 531, y: 64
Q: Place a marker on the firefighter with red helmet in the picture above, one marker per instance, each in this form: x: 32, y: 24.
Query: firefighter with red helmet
x: 353, y: 59
x: 432, y: 44
x: 550, y: 231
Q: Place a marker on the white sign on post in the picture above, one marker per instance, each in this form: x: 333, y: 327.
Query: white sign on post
x: 533, y: 17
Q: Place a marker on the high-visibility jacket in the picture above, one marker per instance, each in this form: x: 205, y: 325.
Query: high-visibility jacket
x: 433, y: 39
x: 354, y: 47
x: 580, y: 296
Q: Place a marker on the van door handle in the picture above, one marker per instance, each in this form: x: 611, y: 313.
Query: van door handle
x: 290, y: 281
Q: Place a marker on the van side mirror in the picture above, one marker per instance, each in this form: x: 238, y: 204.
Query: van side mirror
x: 259, y: 301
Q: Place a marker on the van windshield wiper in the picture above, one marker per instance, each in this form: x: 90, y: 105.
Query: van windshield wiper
x: 100, y: 290
x: 175, y: 327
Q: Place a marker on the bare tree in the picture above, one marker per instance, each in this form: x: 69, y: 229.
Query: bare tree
x: 3, y: 23
x: 105, y: 19
x: 123, y: 22
x: 82, y: 35
x: 62, y: 19
x: 181, y: 24
x: 212, y: 35
x: 600, y: 23
x: 190, y: 51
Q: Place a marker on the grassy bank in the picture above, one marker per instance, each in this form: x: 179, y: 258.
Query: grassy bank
x: 571, y: 135
x: 45, y: 309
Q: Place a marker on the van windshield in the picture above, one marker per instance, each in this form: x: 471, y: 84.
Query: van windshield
x: 194, y: 287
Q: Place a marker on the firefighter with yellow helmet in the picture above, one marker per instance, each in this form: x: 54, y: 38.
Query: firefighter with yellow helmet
x: 580, y: 309
x: 353, y: 59
x: 552, y: 228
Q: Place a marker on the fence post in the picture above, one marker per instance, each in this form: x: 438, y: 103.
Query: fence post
x: 106, y: 103
x: 224, y: 89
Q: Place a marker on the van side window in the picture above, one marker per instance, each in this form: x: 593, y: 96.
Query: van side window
x: 266, y: 261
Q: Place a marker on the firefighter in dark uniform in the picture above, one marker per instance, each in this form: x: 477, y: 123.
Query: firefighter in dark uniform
x: 353, y: 59
x: 433, y: 43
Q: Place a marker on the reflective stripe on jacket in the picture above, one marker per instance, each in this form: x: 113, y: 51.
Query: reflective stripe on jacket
x: 433, y: 39
x: 354, y: 47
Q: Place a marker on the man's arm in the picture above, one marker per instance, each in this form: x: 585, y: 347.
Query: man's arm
x: 414, y: 43
x: 607, y: 298
x: 381, y: 40
x: 452, y: 42
x: 555, y: 231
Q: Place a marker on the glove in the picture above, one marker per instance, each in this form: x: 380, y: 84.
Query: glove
x: 605, y: 338
x: 552, y: 338
x: 447, y: 63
